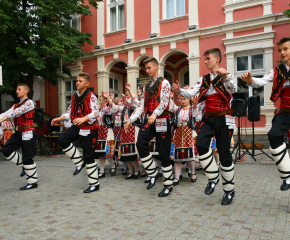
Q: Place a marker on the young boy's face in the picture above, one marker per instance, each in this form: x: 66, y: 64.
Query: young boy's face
x: 21, y: 91
x: 211, y: 61
x: 82, y: 83
x: 284, y: 51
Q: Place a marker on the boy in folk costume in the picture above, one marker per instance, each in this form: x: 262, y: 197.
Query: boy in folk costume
x: 217, y: 87
x: 82, y: 111
x: 25, y: 136
x: 280, y: 76
x: 155, y: 105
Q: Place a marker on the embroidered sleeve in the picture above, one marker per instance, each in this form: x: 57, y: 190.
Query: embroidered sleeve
x: 230, y: 84
x: 95, y: 109
x: 164, y: 98
x: 24, y: 108
x: 138, y: 111
x: 66, y: 116
x: 172, y: 107
x: 116, y: 108
x: 259, y: 82
x: 135, y: 103
x: 189, y: 93
x: 2, y: 115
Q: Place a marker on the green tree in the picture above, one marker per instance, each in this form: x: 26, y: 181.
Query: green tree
x: 34, y: 37
x: 287, y: 12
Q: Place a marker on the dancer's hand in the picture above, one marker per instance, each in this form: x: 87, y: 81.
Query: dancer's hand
x: 139, y: 92
x: 151, y: 119
x: 123, y: 96
x: 79, y: 121
x: 247, y: 77
x: 56, y: 120
x: 126, y: 126
x: 112, y: 96
x: 176, y: 87
x: 128, y: 86
x: 105, y: 94
x: 222, y: 72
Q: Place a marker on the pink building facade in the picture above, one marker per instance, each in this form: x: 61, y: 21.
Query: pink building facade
x: 177, y: 32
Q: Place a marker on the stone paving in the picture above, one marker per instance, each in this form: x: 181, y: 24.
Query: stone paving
x: 124, y: 209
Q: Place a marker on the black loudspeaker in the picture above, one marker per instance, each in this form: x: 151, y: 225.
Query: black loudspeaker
x: 38, y: 117
x: 239, y: 103
x: 254, y: 108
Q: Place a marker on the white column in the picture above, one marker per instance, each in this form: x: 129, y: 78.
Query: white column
x: 193, y: 47
x: 230, y: 62
x: 103, y: 81
x: 101, y: 24
x: 193, y: 63
x: 155, y: 27
x: 161, y: 69
x: 193, y: 13
x: 130, y: 20
x: 132, y: 75
x: 267, y: 8
x: 229, y: 15
x: 156, y: 52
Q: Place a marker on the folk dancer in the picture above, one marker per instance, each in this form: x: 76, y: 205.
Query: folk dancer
x: 280, y: 76
x: 155, y: 105
x: 82, y: 112
x: 217, y: 87
x: 25, y: 136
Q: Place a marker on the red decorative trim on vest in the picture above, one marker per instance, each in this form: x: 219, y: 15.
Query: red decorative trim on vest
x: 216, y: 103
x: 280, y: 77
x: 285, y: 98
x: 26, y: 119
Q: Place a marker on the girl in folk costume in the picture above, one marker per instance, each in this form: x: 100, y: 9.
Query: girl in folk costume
x: 104, y: 147
x: 25, y: 136
x: 128, y: 151
x: 183, y: 138
x: 280, y: 76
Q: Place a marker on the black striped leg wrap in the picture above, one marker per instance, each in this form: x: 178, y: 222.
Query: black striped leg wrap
x: 74, y: 154
x: 167, y: 176
x: 228, y: 176
x: 281, y: 157
x: 16, y: 158
x: 31, y: 173
x: 92, y: 170
x: 209, y: 166
x: 150, y: 166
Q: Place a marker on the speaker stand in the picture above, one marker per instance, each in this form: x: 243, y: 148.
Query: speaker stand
x: 237, y: 148
x: 41, y: 144
x: 253, y: 146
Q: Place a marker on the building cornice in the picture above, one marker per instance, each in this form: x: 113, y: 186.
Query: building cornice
x: 259, y: 22
x: 245, y: 4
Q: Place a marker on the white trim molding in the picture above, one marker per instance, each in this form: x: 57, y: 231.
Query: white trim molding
x: 230, y: 6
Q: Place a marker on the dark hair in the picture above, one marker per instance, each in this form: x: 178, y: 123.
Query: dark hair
x: 151, y: 59
x: 24, y: 85
x: 216, y: 52
x: 85, y: 75
x: 283, y: 40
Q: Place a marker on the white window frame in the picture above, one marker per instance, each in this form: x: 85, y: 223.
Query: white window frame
x: 164, y: 4
x: 69, y: 93
x: 256, y: 72
x: 110, y: 5
x: 116, y: 92
x: 78, y: 22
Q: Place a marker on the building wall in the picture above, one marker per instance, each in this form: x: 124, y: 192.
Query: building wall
x: 234, y: 27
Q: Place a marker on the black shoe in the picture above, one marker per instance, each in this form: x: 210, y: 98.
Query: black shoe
x: 175, y: 183
x: 101, y: 175
x: 88, y: 190
x: 180, y: 177
x: 147, y: 180
x: 228, y: 198
x: 77, y: 171
x: 193, y: 180
x: 29, y: 186
x: 125, y: 172
x: 210, y: 187
x: 151, y: 185
x: 136, y: 176
x: 186, y: 169
x: 163, y: 192
x: 113, y: 171
x: 189, y: 174
x: 285, y: 186
x: 130, y: 176
x: 160, y: 174
x: 22, y: 174
x: 143, y: 174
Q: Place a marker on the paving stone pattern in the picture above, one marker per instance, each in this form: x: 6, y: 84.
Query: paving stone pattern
x: 124, y: 209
